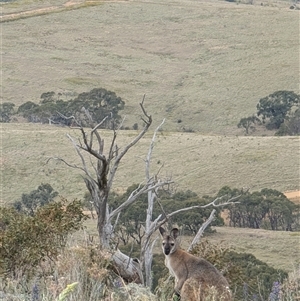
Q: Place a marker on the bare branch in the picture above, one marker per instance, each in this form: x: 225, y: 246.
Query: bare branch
x: 112, y: 146
x: 160, y: 221
x: 134, y: 195
x: 98, y: 125
x: 88, y: 115
x: 151, y: 149
x: 202, y: 229
x: 70, y: 117
x: 144, y: 111
x: 80, y: 155
x: 65, y: 162
x: 213, y: 203
x: 116, y: 221
x: 131, y: 144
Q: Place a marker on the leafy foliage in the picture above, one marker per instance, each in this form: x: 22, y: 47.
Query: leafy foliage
x: 291, y: 126
x: 99, y: 102
x: 276, y: 106
x: 279, y: 110
x: 39, y: 197
x: 248, y: 123
x: 26, y: 241
x: 257, y: 277
x: 6, y: 111
x: 26, y: 109
x: 268, y: 209
x: 131, y: 221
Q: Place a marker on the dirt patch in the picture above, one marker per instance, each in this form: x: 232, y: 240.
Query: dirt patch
x: 72, y: 4
x: 294, y: 196
x: 45, y: 10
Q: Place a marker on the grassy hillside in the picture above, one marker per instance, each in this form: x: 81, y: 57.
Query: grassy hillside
x: 205, y: 63
x: 203, y: 164
x: 277, y: 248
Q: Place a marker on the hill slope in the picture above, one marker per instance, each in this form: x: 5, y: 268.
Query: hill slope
x: 203, y: 164
x: 202, y: 64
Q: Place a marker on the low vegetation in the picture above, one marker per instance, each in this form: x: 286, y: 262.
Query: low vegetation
x: 46, y: 267
x: 49, y: 263
x: 29, y: 240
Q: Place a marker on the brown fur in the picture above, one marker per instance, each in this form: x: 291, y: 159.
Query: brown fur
x: 195, y: 278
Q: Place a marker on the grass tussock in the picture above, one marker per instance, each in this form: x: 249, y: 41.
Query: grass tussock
x: 78, y: 273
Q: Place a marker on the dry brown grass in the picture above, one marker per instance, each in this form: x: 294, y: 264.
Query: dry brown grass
x: 203, y: 164
x: 276, y: 248
x: 206, y: 63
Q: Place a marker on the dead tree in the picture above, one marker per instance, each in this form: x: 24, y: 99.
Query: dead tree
x: 99, y: 169
x: 99, y: 178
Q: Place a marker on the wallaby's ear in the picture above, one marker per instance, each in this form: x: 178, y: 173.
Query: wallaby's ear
x: 162, y: 231
x: 175, y: 233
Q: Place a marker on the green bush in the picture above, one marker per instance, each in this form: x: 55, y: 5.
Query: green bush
x: 27, y: 241
x: 247, y: 276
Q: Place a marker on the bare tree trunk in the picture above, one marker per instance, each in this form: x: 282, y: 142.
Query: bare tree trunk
x: 146, y: 256
x: 99, y: 175
x: 99, y: 198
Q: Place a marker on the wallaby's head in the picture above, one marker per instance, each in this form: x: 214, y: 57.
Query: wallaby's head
x: 169, y: 242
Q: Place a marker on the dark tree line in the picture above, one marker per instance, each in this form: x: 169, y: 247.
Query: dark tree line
x: 267, y: 209
x: 99, y: 103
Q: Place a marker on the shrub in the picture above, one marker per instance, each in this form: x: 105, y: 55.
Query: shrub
x: 248, y: 277
x: 27, y: 241
x: 42, y: 196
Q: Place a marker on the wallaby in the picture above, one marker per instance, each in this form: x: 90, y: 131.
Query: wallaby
x: 195, y: 278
